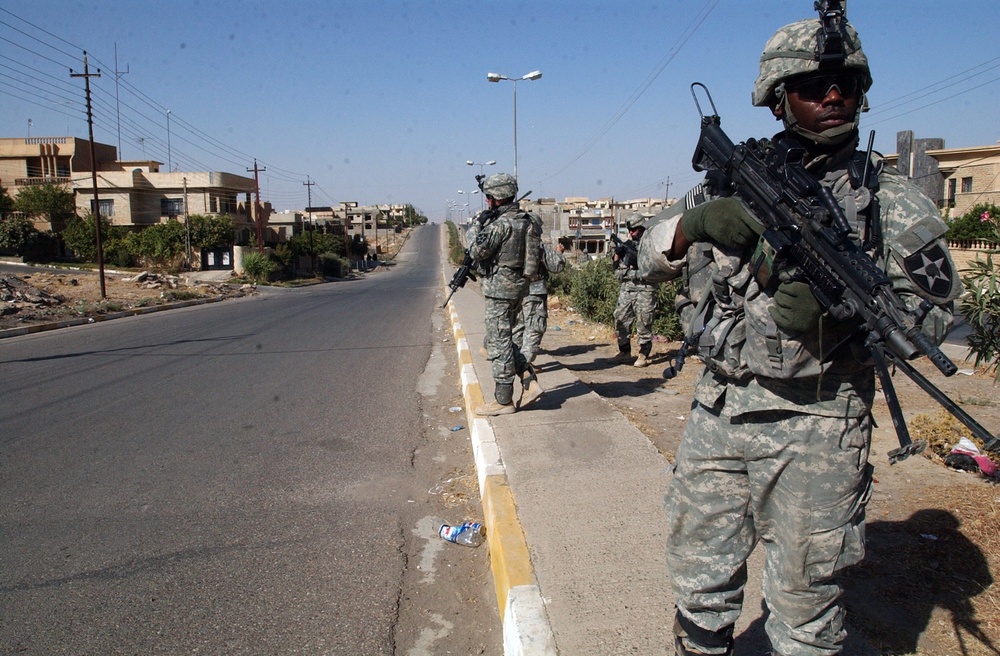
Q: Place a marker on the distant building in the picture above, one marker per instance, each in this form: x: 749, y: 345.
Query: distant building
x: 957, y: 179
x: 587, y: 225
x: 130, y: 193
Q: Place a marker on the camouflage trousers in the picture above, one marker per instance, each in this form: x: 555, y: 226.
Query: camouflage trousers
x: 636, y: 307
x: 797, y: 483
x: 502, y: 350
x: 531, y: 324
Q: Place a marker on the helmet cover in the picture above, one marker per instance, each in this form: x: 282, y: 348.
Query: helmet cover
x: 500, y: 186
x: 792, y: 51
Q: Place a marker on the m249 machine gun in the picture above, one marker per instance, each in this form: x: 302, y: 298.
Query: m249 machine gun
x: 807, y: 229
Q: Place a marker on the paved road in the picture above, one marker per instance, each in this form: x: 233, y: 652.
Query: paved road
x: 243, y: 477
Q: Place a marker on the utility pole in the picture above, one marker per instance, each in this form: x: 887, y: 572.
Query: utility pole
x: 256, y: 186
x: 309, y: 191
x: 666, y: 192
x: 86, y: 75
x: 118, y: 110
x: 187, y: 226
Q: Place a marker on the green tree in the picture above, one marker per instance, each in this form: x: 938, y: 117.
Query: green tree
x: 974, y: 224
x: 359, y: 246
x: 17, y: 234
x: 54, y: 203
x: 211, y: 231
x: 980, y: 303
x: 6, y: 203
x: 412, y: 216
x: 80, y: 236
x: 161, y: 244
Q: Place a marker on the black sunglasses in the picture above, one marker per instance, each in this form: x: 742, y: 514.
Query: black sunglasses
x: 817, y: 86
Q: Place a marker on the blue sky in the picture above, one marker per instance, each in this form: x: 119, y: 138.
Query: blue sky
x: 381, y: 101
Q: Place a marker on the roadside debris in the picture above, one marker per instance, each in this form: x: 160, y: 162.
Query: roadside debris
x: 469, y: 534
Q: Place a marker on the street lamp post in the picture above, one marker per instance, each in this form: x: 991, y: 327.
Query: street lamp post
x: 496, y: 77
x: 470, y: 193
x: 482, y: 201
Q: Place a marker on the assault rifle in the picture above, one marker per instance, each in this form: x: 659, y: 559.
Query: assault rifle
x: 462, y: 276
x: 626, y: 252
x: 807, y: 229
x: 466, y: 270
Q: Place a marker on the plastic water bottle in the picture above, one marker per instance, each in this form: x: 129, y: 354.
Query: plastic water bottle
x: 469, y: 534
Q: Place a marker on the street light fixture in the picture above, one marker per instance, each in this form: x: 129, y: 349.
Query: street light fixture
x: 471, y: 193
x: 482, y: 200
x: 496, y: 77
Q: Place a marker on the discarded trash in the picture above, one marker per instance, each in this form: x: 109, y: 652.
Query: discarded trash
x: 454, y: 408
x: 556, y: 328
x: 966, y: 456
x: 457, y: 428
x: 469, y: 534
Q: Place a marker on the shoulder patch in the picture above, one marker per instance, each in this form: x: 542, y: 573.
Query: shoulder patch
x: 930, y: 269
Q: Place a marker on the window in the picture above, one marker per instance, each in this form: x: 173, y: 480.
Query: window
x: 107, y: 207
x: 951, y: 192
x: 227, y: 205
x: 966, y: 185
x: 171, y: 206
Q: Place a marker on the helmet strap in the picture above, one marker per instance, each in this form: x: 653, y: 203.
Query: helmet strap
x: 832, y: 137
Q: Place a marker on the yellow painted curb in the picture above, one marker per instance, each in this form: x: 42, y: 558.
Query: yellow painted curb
x: 509, y: 556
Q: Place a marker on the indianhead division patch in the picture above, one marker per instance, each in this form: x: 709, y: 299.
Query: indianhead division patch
x: 931, y: 271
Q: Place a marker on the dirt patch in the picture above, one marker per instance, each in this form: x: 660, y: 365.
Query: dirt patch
x: 933, y: 532
x: 50, y: 296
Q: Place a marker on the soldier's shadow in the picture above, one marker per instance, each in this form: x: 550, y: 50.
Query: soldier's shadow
x: 911, y: 568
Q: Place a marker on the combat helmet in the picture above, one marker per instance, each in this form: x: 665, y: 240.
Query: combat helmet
x: 499, y: 186
x: 635, y: 220
x: 797, y: 49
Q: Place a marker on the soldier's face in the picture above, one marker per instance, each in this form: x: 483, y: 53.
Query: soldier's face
x: 821, y: 102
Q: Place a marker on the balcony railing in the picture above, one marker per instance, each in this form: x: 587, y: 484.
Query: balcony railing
x: 31, y: 182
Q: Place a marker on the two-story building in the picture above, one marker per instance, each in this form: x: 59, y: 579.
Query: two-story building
x: 130, y: 193
x: 957, y: 179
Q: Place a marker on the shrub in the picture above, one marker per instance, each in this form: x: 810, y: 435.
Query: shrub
x: 980, y: 303
x: 17, y: 234
x: 80, y: 236
x: 333, y: 265
x: 258, y: 266
x: 977, y: 223
x: 594, y: 291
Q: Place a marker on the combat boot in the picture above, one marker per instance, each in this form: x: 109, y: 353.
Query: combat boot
x: 503, y: 405
x: 624, y: 354
x: 644, y: 351
x: 531, y: 389
x: 493, y: 409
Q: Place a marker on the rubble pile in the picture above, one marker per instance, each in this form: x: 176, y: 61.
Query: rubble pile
x: 17, y: 294
x: 43, y: 297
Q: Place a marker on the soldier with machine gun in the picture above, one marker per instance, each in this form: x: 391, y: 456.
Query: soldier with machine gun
x: 776, y: 446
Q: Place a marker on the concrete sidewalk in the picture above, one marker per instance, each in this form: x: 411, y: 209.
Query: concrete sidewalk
x: 572, y: 494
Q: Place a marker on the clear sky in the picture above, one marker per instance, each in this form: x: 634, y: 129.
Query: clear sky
x: 382, y: 101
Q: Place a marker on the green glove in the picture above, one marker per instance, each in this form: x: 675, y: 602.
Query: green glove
x: 795, y: 309
x: 723, y: 221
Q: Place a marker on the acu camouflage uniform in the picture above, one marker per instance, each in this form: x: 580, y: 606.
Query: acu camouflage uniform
x: 777, y: 444
x: 499, y: 249
x: 533, y: 320
x: 636, y: 305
